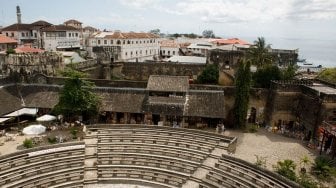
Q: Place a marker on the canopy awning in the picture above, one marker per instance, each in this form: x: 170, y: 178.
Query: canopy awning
x: 34, y: 129
x: 46, y: 117
x: 23, y: 111
x: 3, y: 120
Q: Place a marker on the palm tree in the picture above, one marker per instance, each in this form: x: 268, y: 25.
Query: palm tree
x: 258, y: 53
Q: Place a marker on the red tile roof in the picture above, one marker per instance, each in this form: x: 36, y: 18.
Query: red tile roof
x: 230, y: 41
x: 6, y: 40
x: 27, y: 49
x: 169, y: 43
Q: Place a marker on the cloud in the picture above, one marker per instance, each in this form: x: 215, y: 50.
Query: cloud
x: 223, y: 11
x: 140, y: 4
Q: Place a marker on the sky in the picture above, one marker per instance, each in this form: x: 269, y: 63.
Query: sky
x: 227, y: 18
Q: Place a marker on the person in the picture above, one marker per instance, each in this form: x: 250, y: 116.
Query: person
x: 217, y: 129
x: 223, y: 128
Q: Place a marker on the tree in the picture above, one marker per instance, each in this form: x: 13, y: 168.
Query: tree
x: 208, y: 34
x: 290, y: 72
x: 263, y: 76
x: 155, y: 31
x: 258, y: 53
x: 209, y: 75
x: 328, y: 75
x: 242, y: 93
x: 76, y: 98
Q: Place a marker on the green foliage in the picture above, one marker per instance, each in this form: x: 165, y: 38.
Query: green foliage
x: 261, y: 161
x: 290, y: 72
x: 263, y: 76
x: 242, y: 93
x: 28, y: 143
x: 76, y: 97
x: 71, y: 73
x: 252, y: 128
x: 209, y: 75
x: 306, y: 181
x: 208, y: 34
x: 52, y: 140
x: 258, y: 53
x: 323, y: 168
x: 74, y: 132
x: 328, y: 75
x: 304, y: 161
x: 286, y: 168
x: 10, y: 51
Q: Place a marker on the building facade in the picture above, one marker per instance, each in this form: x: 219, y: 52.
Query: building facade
x: 134, y: 47
x: 61, y: 38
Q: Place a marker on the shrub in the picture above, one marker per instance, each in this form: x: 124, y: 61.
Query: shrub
x: 52, y: 140
x: 261, y: 161
x: 28, y: 143
x: 307, y: 182
x: 74, y: 132
x: 286, y: 168
x: 323, y: 168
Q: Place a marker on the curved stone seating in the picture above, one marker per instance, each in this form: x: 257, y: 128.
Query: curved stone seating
x: 159, y: 155
x: 60, y: 165
x: 233, y: 172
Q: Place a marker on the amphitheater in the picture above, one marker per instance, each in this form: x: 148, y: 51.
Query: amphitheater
x: 136, y: 156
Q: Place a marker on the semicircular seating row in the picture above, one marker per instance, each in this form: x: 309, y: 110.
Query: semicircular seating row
x: 60, y: 165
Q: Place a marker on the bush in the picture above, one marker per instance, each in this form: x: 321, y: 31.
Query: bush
x: 323, y: 168
x: 74, y: 132
x: 286, y: 168
x: 209, y: 75
x: 306, y: 181
x: 261, y: 161
x: 252, y: 128
x: 28, y: 143
x: 262, y: 78
x: 52, y: 140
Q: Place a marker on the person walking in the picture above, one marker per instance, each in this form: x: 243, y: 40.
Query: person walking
x: 223, y: 128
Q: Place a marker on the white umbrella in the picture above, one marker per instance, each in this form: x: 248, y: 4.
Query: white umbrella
x: 46, y: 117
x: 34, y: 129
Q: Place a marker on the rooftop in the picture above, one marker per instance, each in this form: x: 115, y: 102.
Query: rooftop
x: 6, y: 40
x: 72, y: 21
x: 121, y: 35
x: 187, y: 59
x: 168, y: 83
x: 59, y: 28
x: 229, y: 41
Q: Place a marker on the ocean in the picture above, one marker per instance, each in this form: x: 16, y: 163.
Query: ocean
x: 316, y: 51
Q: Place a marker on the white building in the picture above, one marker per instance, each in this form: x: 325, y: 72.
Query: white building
x: 134, y: 47
x: 61, y: 37
x: 200, y: 48
x: 169, y: 48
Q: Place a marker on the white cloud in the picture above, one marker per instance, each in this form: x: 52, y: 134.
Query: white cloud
x: 256, y: 10
x: 140, y: 4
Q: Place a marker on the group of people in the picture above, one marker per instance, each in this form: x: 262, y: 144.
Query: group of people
x: 220, y: 128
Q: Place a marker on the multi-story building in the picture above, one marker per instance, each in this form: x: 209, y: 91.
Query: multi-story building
x: 61, y: 37
x: 74, y: 23
x: 169, y: 48
x: 132, y: 47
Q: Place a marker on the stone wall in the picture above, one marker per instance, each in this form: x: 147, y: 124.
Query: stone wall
x: 22, y: 66
x: 142, y: 71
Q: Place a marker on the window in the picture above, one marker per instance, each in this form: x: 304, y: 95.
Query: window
x: 76, y: 34
x: 35, y: 35
x: 173, y: 52
x: 118, y: 42
x: 146, y: 52
x: 132, y: 42
x: 128, y: 42
x: 111, y: 41
x: 150, y: 41
x: 6, y: 34
x: 136, y: 42
x: 23, y: 34
x: 12, y: 34
x: 69, y: 34
x: 168, y: 52
x: 125, y: 53
x: 131, y: 53
x: 123, y: 41
x: 105, y: 41
x: 136, y: 52
x: 98, y: 42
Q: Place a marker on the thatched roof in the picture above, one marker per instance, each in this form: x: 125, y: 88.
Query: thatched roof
x: 168, y: 83
x: 205, y: 104
x: 8, y: 101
